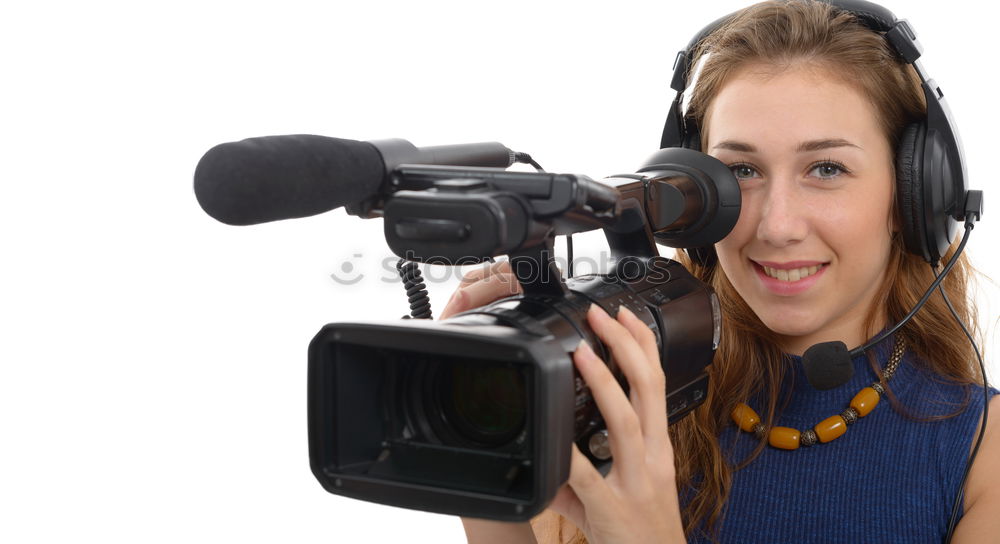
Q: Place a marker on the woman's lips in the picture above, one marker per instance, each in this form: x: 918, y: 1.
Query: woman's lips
x: 789, y: 278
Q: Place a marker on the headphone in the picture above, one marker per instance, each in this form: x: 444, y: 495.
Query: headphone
x: 930, y: 169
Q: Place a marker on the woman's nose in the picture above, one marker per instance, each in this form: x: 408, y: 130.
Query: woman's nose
x: 783, y: 219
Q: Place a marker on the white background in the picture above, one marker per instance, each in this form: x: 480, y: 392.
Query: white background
x: 153, y: 360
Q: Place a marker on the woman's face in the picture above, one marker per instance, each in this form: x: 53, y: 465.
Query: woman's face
x: 812, y: 242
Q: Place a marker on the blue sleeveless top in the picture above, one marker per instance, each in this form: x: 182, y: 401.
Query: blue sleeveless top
x: 889, y: 478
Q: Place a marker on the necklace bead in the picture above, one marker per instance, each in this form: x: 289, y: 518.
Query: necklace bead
x: 745, y: 417
x: 864, y: 402
x: 785, y: 438
x: 850, y: 416
x: 830, y: 429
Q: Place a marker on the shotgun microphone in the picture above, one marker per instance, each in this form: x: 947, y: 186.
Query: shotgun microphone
x: 283, y: 177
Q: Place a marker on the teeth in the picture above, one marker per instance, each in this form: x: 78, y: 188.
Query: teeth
x: 795, y: 274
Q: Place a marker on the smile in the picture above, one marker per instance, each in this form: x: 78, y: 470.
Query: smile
x: 789, y: 278
x: 794, y: 274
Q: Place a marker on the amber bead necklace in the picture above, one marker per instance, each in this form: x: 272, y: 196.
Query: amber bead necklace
x: 833, y: 427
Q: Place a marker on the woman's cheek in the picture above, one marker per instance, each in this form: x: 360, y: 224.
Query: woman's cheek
x: 745, y: 229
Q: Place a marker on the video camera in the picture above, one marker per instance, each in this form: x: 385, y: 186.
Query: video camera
x: 475, y: 415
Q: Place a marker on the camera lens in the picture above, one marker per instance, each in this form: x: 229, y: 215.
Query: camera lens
x: 484, y: 403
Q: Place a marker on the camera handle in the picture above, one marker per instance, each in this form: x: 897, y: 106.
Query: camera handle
x: 535, y: 269
x: 629, y: 238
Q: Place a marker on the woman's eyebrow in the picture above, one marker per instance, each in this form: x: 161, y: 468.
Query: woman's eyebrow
x: 734, y: 145
x: 811, y: 145
x: 816, y: 145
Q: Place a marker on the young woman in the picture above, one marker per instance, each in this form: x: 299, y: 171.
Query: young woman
x: 808, y: 108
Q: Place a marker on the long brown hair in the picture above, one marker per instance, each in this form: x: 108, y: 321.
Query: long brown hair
x: 749, y: 361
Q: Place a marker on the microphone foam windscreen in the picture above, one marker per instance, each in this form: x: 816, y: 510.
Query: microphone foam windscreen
x: 827, y: 365
x: 283, y: 177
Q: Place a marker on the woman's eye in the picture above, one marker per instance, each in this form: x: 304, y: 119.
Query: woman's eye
x: 827, y: 170
x: 744, y: 171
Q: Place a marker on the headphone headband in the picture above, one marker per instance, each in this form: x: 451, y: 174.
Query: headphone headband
x: 872, y: 16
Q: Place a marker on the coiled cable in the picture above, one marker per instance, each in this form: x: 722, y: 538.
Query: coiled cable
x: 416, y: 291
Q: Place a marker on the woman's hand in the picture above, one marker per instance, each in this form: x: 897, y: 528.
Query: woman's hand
x: 637, y: 501
x: 482, y: 286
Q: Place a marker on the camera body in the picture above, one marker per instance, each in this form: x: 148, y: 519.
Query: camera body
x: 476, y: 415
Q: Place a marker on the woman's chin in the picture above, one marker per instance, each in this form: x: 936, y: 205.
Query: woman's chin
x: 791, y: 329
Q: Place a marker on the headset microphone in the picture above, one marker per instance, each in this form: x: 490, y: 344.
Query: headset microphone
x: 827, y: 365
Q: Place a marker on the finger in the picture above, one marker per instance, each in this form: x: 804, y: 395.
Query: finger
x: 651, y: 402
x: 568, y: 505
x: 644, y: 383
x: 485, y: 272
x: 587, y: 485
x: 642, y: 333
x: 624, y: 428
x: 489, y: 289
x: 480, y: 293
x: 454, y: 305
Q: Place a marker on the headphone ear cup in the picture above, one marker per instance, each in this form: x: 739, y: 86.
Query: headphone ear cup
x: 909, y: 187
